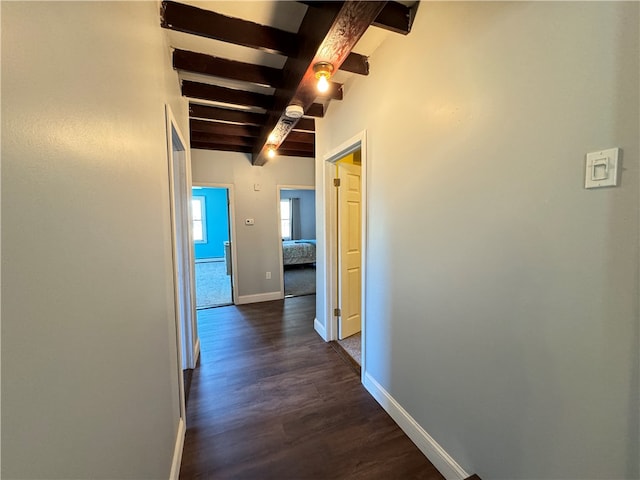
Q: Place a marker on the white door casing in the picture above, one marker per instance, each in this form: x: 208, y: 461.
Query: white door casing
x: 329, y: 280
x: 187, y: 343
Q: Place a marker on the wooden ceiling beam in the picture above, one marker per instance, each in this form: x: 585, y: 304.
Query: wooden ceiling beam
x: 331, y: 33
x: 232, y: 96
x: 217, y: 128
x: 289, y: 145
x: 296, y: 153
x: 216, y: 138
x: 224, y: 128
x: 215, y: 93
x: 222, y: 139
x: 315, y: 110
x: 394, y: 17
x: 238, y: 116
x: 225, y: 114
x: 305, y: 124
x: 221, y: 67
x: 301, y: 137
x: 205, y: 23
x: 219, y: 147
x: 209, y: 65
x: 356, y: 63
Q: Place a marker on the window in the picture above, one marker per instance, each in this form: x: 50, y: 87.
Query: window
x: 285, y: 218
x: 199, y: 219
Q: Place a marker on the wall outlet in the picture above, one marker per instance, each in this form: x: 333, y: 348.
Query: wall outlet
x: 268, y: 275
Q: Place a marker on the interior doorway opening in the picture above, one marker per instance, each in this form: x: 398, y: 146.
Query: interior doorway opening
x: 186, y: 334
x: 212, y: 235
x: 346, y: 237
x: 297, y: 227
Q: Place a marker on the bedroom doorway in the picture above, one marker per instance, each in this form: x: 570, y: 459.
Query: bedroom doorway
x: 297, y: 229
x: 213, y: 246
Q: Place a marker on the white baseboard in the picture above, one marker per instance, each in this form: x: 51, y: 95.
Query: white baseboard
x: 445, y: 464
x: 259, y: 297
x: 177, y: 452
x: 318, y: 327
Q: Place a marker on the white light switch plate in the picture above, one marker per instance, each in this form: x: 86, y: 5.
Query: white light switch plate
x: 602, y: 169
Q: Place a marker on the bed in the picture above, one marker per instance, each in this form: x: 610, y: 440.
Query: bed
x: 298, y: 252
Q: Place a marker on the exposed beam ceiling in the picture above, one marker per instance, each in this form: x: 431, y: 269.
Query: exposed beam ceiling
x: 205, y: 23
x: 241, y: 64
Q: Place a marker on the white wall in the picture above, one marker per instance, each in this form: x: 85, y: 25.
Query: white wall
x: 502, y: 301
x: 307, y: 210
x: 89, y: 378
x: 257, y: 245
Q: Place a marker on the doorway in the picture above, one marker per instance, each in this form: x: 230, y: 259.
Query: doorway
x: 213, y: 246
x: 297, y: 227
x: 349, y: 266
x: 345, y: 262
x: 187, y: 343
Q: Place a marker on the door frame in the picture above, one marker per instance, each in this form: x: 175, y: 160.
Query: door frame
x: 279, y: 189
x: 231, y: 211
x: 356, y: 142
x: 187, y: 342
x: 188, y: 333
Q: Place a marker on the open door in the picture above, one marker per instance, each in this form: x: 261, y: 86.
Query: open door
x: 349, y: 246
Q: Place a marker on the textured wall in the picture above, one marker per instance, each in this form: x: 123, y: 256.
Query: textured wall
x: 502, y: 301
x: 89, y: 366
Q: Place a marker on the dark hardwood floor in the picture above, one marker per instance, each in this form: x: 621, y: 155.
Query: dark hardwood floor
x: 271, y: 400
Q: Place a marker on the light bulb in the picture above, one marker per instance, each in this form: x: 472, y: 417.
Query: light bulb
x: 271, y: 152
x: 323, y: 84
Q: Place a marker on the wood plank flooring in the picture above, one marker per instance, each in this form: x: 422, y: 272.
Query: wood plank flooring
x: 271, y: 400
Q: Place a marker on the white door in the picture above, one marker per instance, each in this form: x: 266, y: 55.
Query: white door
x: 349, y: 249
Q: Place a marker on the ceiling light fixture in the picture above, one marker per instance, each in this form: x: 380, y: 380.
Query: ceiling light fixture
x: 294, y: 111
x: 323, y: 71
x: 271, y: 151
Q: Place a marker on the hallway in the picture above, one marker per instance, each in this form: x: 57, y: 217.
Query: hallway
x: 271, y: 400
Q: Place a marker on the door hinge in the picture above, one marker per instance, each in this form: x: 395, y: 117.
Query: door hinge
x: 336, y: 182
x: 336, y: 312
